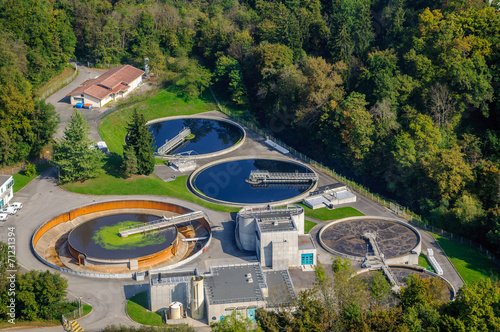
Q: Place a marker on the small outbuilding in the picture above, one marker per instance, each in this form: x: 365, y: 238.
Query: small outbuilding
x: 113, y: 84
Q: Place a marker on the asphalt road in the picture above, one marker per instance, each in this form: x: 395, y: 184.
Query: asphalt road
x: 64, y: 108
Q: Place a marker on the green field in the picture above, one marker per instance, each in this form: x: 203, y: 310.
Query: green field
x: 165, y: 103
x: 138, y: 312
x: 469, y: 262
x: 308, y: 225
x: 21, y: 180
x: 325, y: 214
x: 109, y: 238
x: 423, y: 262
x: 111, y: 183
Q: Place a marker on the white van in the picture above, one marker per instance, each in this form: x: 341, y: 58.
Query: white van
x: 16, y: 205
x: 3, y: 216
x: 8, y: 210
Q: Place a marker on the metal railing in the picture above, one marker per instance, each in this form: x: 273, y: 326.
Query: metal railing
x: 266, y: 176
x: 60, y: 85
x: 159, y: 224
x: 171, y: 144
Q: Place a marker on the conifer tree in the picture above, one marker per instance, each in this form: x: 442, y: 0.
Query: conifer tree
x: 140, y: 139
x: 129, y: 161
x: 75, y: 154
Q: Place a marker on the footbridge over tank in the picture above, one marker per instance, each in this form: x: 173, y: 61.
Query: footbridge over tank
x: 171, y: 144
x: 379, y: 256
x: 266, y: 212
x: 160, y: 223
x: 260, y: 176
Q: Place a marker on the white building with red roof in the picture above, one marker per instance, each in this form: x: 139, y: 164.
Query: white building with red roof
x: 113, y: 84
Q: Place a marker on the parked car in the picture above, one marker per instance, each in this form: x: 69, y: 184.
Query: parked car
x: 3, y: 216
x: 16, y: 205
x: 8, y: 210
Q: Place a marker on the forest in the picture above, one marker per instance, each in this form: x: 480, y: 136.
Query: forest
x: 401, y: 96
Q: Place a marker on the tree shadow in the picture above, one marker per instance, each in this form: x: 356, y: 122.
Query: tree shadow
x: 112, y: 166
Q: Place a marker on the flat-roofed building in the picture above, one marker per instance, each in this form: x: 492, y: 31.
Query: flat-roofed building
x: 243, y: 288
x: 6, y: 191
x: 113, y: 84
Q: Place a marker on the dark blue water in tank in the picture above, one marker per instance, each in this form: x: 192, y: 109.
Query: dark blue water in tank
x: 81, y: 238
x: 209, y: 135
x: 226, y: 182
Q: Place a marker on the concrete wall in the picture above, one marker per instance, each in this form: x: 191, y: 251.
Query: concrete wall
x: 246, y: 232
x: 162, y: 295
x: 215, y: 311
x: 403, y: 259
x: 299, y: 222
x: 279, y: 246
x: 86, y: 100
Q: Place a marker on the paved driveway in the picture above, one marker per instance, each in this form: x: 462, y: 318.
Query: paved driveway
x: 63, y: 106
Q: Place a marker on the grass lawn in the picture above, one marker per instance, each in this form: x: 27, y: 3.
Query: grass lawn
x: 308, y: 225
x: 469, y: 262
x: 111, y: 183
x: 33, y: 325
x: 165, y: 103
x: 21, y: 180
x: 423, y: 262
x: 137, y: 310
x: 86, y: 309
x: 325, y: 214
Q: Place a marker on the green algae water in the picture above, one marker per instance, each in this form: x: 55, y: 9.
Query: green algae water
x: 109, y: 238
x: 99, y: 237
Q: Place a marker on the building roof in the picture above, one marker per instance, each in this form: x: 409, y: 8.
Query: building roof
x: 114, y: 80
x: 280, y: 224
x: 169, y: 277
x: 4, y: 179
x: 235, y: 284
x: 306, y: 242
x: 280, y: 288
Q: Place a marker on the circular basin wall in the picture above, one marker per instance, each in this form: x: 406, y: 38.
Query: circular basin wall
x: 210, y: 135
x: 345, y: 237
x: 52, y: 243
x: 402, y: 273
x: 98, y: 238
x: 225, y: 181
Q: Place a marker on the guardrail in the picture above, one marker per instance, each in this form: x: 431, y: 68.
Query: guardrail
x: 60, y: 85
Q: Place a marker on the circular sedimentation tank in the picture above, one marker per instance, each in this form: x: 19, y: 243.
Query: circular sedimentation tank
x: 208, y: 136
x: 226, y: 182
x: 99, y: 238
x: 402, y: 273
x: 344, y: 237
x: 88, y: 240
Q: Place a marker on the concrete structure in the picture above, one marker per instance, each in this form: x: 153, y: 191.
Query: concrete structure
x: 197, y: 298
x: 113, y: 84
x: 6, y: 192
x: 243, y: 289
x: 397, y: 242
x: 168, y: 287
x: 276, y: 235
x: 329, y: 196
